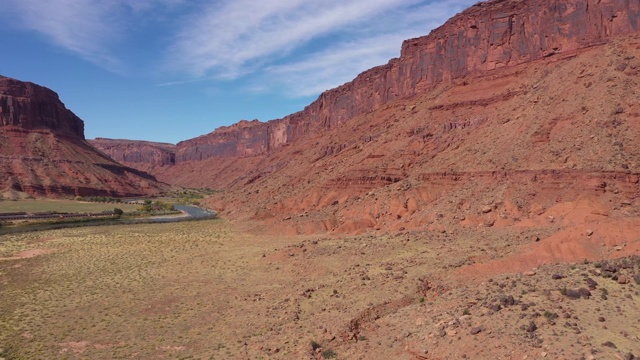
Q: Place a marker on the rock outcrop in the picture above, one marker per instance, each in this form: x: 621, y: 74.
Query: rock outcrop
x: 487, y: 36
x: 29, y: 106
x: 43, y: 151
x: 244, y: 138
x: 135, y: 152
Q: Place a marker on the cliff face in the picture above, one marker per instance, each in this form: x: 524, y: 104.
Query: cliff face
x: 485, y: 37
x: 241, y: 139
x: 134, y: 152
x: 551, y: 141
x: 31, y: 107
x: 43, y: 151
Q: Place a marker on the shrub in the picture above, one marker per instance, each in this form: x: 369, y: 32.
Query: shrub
x: 550, y: 315
x: 604, y: 291
x: 328, y: 354
x: 157, y: 206
x: 315, y: 346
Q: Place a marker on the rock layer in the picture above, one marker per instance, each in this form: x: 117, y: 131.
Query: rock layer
x: 485, y: 37
x: 32, y: 107
x: 132, y: 152
x: 43, y: 151
x: 521, y: 145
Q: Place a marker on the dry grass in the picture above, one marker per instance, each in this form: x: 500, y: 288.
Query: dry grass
x: 199, y: 289
x: 137, y: 291
x: 209, y: 291
x: 71, y: 206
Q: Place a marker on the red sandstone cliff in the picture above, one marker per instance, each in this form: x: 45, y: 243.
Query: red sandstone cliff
x: 136, y: 153
x: 43, y: 151
x: 552, y: 141
x: 484, y: 37
x: 514, y: 113
x: 29, y: 106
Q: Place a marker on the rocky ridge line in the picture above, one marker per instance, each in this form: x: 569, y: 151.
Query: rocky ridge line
x: 485, y: 37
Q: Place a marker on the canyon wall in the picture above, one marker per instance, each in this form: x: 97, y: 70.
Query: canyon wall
x: 487, y: 36
x: 43, y: 151
x: 133, y: 152
x: 27, y: 106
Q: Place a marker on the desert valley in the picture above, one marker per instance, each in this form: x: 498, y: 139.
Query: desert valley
x: 476, y: 198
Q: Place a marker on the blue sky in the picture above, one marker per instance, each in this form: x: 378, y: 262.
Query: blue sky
x: 170, y: 70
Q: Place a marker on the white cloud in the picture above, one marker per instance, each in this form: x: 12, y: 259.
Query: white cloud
x: 301, y: 47
x: 341, y: 62
x: 333, y: 66
x: 88, y: 28
x: 234, y: 38
x: 76, y: 25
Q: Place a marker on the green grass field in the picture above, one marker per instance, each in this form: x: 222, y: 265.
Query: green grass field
x: 70, y: 206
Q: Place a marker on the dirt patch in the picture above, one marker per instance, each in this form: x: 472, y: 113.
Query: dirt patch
x: 173, y: 348
x: 611, y: 239
x: 78, y: 347
x: 42, y: 240
x: 27, y: 254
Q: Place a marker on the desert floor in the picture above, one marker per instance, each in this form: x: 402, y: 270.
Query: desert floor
x: 215, y: 290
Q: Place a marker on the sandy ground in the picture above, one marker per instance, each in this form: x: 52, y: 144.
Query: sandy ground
x: 212, y: 289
